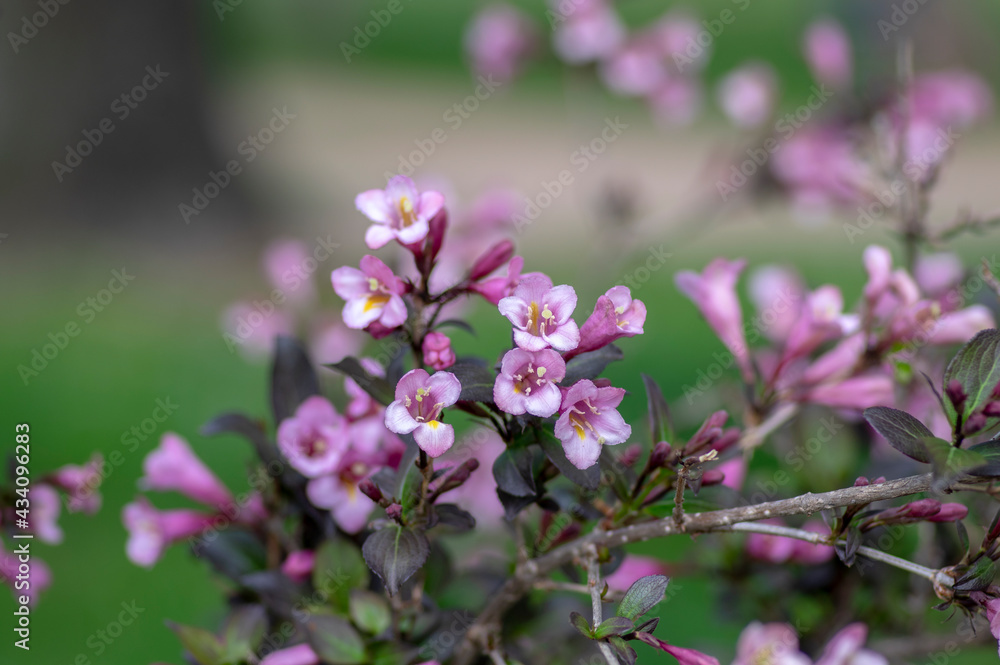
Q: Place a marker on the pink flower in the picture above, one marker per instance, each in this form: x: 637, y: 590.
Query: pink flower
x: 491, y: 259
x: 362, y: 404
x: 847, y: 648
x: 298, y: 565
x: 541, y: 314
x: 314, y: 439
x: 496, y: 289
x: 676, y: 101
x: 151, y: 531
x: 828, y: 53
x: 631, y: 569
x: 776, y: 293
x: 591, y: 31
x: 338, y: 492
x: 821, y: 167
x: 878, y: 264
x: 437, y: 351
x: 857, y: 392
x: 993, y: 616
x: 173, y: 466
x: 959, y: 327
x: 936, y: 274
x: 589, y: 420
x: 837, y: 363
x: 615, y: 315
x: 253, y: 327
x: 636, y: 69
x: 683, y: 656
x: 372, y: 294
x: 420, y: 399
x: 747, y: 94
x: 527, y: 382
x: 399, y: 211
x: 38, y: 579
x: 734, y: 472
x: 770, y: 548
x: 820, y: 320
x: 45, y: 507
x: 331, y: 341
x: 773, y: 643
x: 300, y: 654
x: 950, y: 98
x: 714, y: 293
x: 81, y: 484
x: 498, y: 40
x: 285, y: 262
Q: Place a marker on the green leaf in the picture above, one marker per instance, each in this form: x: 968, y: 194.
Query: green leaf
x: 233, y: 553
x: 292, y: 377
x: 394, y: 553
x: 450, y: 515
x: 369, y: 611
x: 977, y: 368
x: 618, y: 625
x: 644, y: 594
x: 590, y: 365
x: 660, y: 427
x: 204, y: 647
x: 476, y: 378
x: 626, y: 654
x: 456, y: 323
x: 990, y: 450
x: 334, y: 640
x: 376, y: 386
x: 948, y: 461
x: 409, y: 498
x: 579, y: 622
x: 339, y: 568
x: 978, y: 576
x: 903, y: 432
x: 243, y: 631
x: 588, y: 478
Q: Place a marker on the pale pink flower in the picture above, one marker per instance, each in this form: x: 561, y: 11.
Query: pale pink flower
x: 338, y: 492
x: 847, y: 648
x: 772, y: 643
x: 314, y: 439
x: 828, y: 53
x: 591, y: 31
x: 286, y: 263
x: 856, y: 393
x: 589, y: 420
x: 300, y: 654
x: 637, y: 69
x: 777, y: 293
x: 810, y: 553
x: 151, y: 531
x: 499, y: 39
x: 541, y: 314
x: 615, y: 315
x: 959, y: 327
x: 372, y: 294
x: 173, y: 466
x: 948, y: 98
x: 527, y: 382
x: 420, y: 399
x: 747, y: 94
x: 38, y: 579
x: 936, y: 274
x: 81, y: 483
x: 399, y: 211
x: 45, y: 507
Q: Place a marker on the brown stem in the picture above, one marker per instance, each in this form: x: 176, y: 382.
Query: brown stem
x: 525, y: 576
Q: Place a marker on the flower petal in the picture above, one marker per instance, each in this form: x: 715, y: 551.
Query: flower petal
x: 434, y: 437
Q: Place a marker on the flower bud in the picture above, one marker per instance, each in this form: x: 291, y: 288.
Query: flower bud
x: 956, y: 394
x: 922, y: 509
x: 976, y: 422
x: 491, y: 259
x: 660, y: 454
x: 861, y: 482
x: 950, y: 512
x: 394, y: 511
x: 370, y: 490
x: 437, y: 351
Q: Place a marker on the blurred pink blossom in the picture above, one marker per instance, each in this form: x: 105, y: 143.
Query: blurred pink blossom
x: 747, y: 95
x: 828, y: 53
x: 173, y: 466
x: 499, y: 39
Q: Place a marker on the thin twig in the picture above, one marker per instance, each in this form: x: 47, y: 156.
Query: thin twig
x: 754, y: 436
x: 551, y: 585
x: 497, y: 658
x: 593, y: 582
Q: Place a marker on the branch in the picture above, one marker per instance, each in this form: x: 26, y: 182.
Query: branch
x: 526, y: 575
x: 593, y: 580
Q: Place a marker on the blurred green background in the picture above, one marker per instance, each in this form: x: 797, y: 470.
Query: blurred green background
x: 161, y: 337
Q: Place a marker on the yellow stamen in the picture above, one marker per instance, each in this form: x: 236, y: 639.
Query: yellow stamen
x: 375, y: 300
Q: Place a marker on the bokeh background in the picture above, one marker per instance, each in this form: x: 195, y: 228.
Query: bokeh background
x: 229, y: 65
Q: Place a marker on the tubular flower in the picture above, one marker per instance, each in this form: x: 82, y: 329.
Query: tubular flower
x: 589, y: 420
x: 420, y: 398
x: 314, y: 439
x: 372, y: 294
x: 527, y: 382
x: 399, y: 211
x: 541, y: 314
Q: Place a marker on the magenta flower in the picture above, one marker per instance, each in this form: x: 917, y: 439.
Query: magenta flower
x: 847, y: 648
x: 773, y: 643
x: 496, y: 289
x: 151, y: 531
x: 491, y: 259
x: 541, y: 314
x: 820, y: 320
x: 527, y: 382
x: 857, y: 392
x: 314, y: 439
x: 589, y: 420
x: 828, y: 53
x: 777, y: 293
x: 38, y: 579
x: 950, y: 98
x: 821, y: 167
x: 591, y: 31
x: 81, y: 484
x: 420, y: 399
x: 372, y: 294
x: 615, y: 315
x: 300, y: 654
x: 636, y: 69
x: 770, y: 548
x: 399, y: 211
x: 173, y: 466
x: 747, y: 94
x: 810, y: 553
x: 714, y: 293
x: 298, y: 565
x: 45, y: 507
x: 437, y: 351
